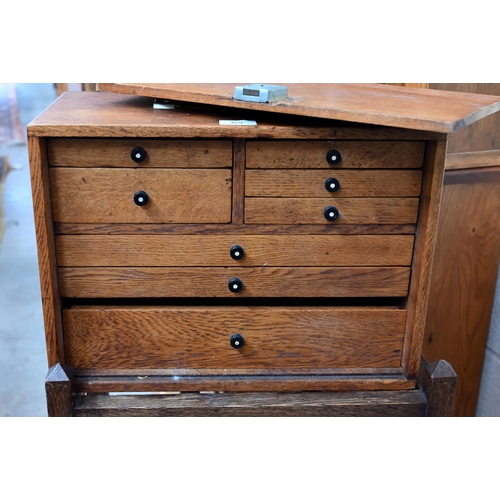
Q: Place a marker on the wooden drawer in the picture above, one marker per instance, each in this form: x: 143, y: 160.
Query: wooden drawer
x: 312, y: 210
x: 122, y: 282
x: 214, y: 250
x: 165, y: 153
x: 352, y: 154
x: 106, y: 195
x: 199, y: 337
x: 349, y: 183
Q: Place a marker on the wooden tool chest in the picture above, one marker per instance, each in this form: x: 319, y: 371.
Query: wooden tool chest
x: 178, y: 254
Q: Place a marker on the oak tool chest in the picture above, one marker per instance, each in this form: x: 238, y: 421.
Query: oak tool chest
x: 179, y: 254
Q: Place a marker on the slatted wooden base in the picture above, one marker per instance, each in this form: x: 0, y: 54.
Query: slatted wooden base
x: 435, y: 398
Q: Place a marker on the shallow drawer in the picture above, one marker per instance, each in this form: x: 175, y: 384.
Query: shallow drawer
x: 215, y: 250
x: 109, y: 195
x: 167, y: 153
x: 333, y: 211
x: 335, y: 154
x: 200, y: 337
x: 113, y: 282
x: 333, y: 183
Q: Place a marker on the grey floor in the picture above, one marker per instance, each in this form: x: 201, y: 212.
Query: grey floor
x: 23, y: 363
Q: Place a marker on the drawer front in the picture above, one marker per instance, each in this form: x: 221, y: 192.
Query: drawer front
x: 214, y: 250
x: 106, y: 195
x: 199, y: 337
x: 122, y: 282
x: 166, y: 153
x: 316, y: 211
x: 348, y: 183
x: 346, y: 154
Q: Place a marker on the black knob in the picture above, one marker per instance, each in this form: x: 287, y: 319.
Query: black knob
x: 237, y: 341
x: 333, y: 157
x: 141, y: 198
x: 332, y: 185
x: 331, y: 213
x: 138, y: 155
x: 237, y: 252
x: 235, y: 285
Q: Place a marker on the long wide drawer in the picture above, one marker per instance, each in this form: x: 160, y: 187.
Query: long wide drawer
x: 109, y: 195
x: 165, y: 153
x: 200, y: 337
x: 337, y: 154
x: 215, y: 250
x: 113, y: 282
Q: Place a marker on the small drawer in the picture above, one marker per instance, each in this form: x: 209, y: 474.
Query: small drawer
x: 280, y: 183
x: 163, y: 153
x: 335, y: 154
x: 235, y: 282
x: 125, y: 195
x: 173, y: 337
x: 165, y: 250
x: 328, y: 210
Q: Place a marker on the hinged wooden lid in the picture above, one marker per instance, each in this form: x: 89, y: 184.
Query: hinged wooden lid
x: 375, y: 104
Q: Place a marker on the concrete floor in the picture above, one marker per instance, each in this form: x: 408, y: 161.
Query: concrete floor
x: 23, y: 363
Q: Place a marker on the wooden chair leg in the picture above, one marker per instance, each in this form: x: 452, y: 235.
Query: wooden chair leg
x: 59, y: 390
x: 438, y: 380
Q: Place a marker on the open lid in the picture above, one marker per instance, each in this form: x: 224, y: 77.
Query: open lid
x: 375, y: 104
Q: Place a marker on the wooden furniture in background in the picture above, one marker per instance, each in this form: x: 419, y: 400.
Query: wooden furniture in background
x: 183, y: 303
x: 73, y: 87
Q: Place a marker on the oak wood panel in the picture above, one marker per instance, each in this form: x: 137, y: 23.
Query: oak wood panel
x: 100, y: 195
x: 413, y: 108
x: 198, y: 337
x: 475, y: 159
x: 44, y: 230
x: 355, y: 154
x: 311, y: 210
x: 423, y: 257
x: 213, y: 282
x: 266, y: 404
x: 104, y: 114
x: 353, y: 183
x: 58, y: 391
x: 256, y: 229
x: 213, y: 250
x: 167, y: 153
x: 239, y: 158
x: 464, y: 278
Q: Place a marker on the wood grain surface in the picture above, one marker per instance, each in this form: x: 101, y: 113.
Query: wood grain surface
x: 311, y: 210
x: 354, y: 154
x: 59, y: 390
x: 280, y: 183
x: 106, y: 195
x: 213, y: 250
x: 266, y: 404
x: 377, y: 104
x: 91, y: 282
x: 168, y: 153
x: 198, y: 337
x: 239, y: 159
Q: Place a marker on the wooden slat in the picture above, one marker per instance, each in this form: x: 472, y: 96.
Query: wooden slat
x: 91, y: 282
x: 376, y: 104
x: 198, y: 337
x: 474, y: 159
x: 322, y: 404
x: 355, y: 154
x: 100, y: 195
x: 160, y: 153
x: 311, y: 210
x: 213, y: 250
x: 239, y: 159
x: 44, y: 228
x: 353, y: 183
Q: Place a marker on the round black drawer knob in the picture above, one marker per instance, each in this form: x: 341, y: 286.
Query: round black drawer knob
x: 138, y: 155
x: 332, y: 185
x: 331, y: 213
x: 141, y: 198
x: 235, y: 285
x: 237, y: 341
x: 237, y: 252
x: 333, y: 157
